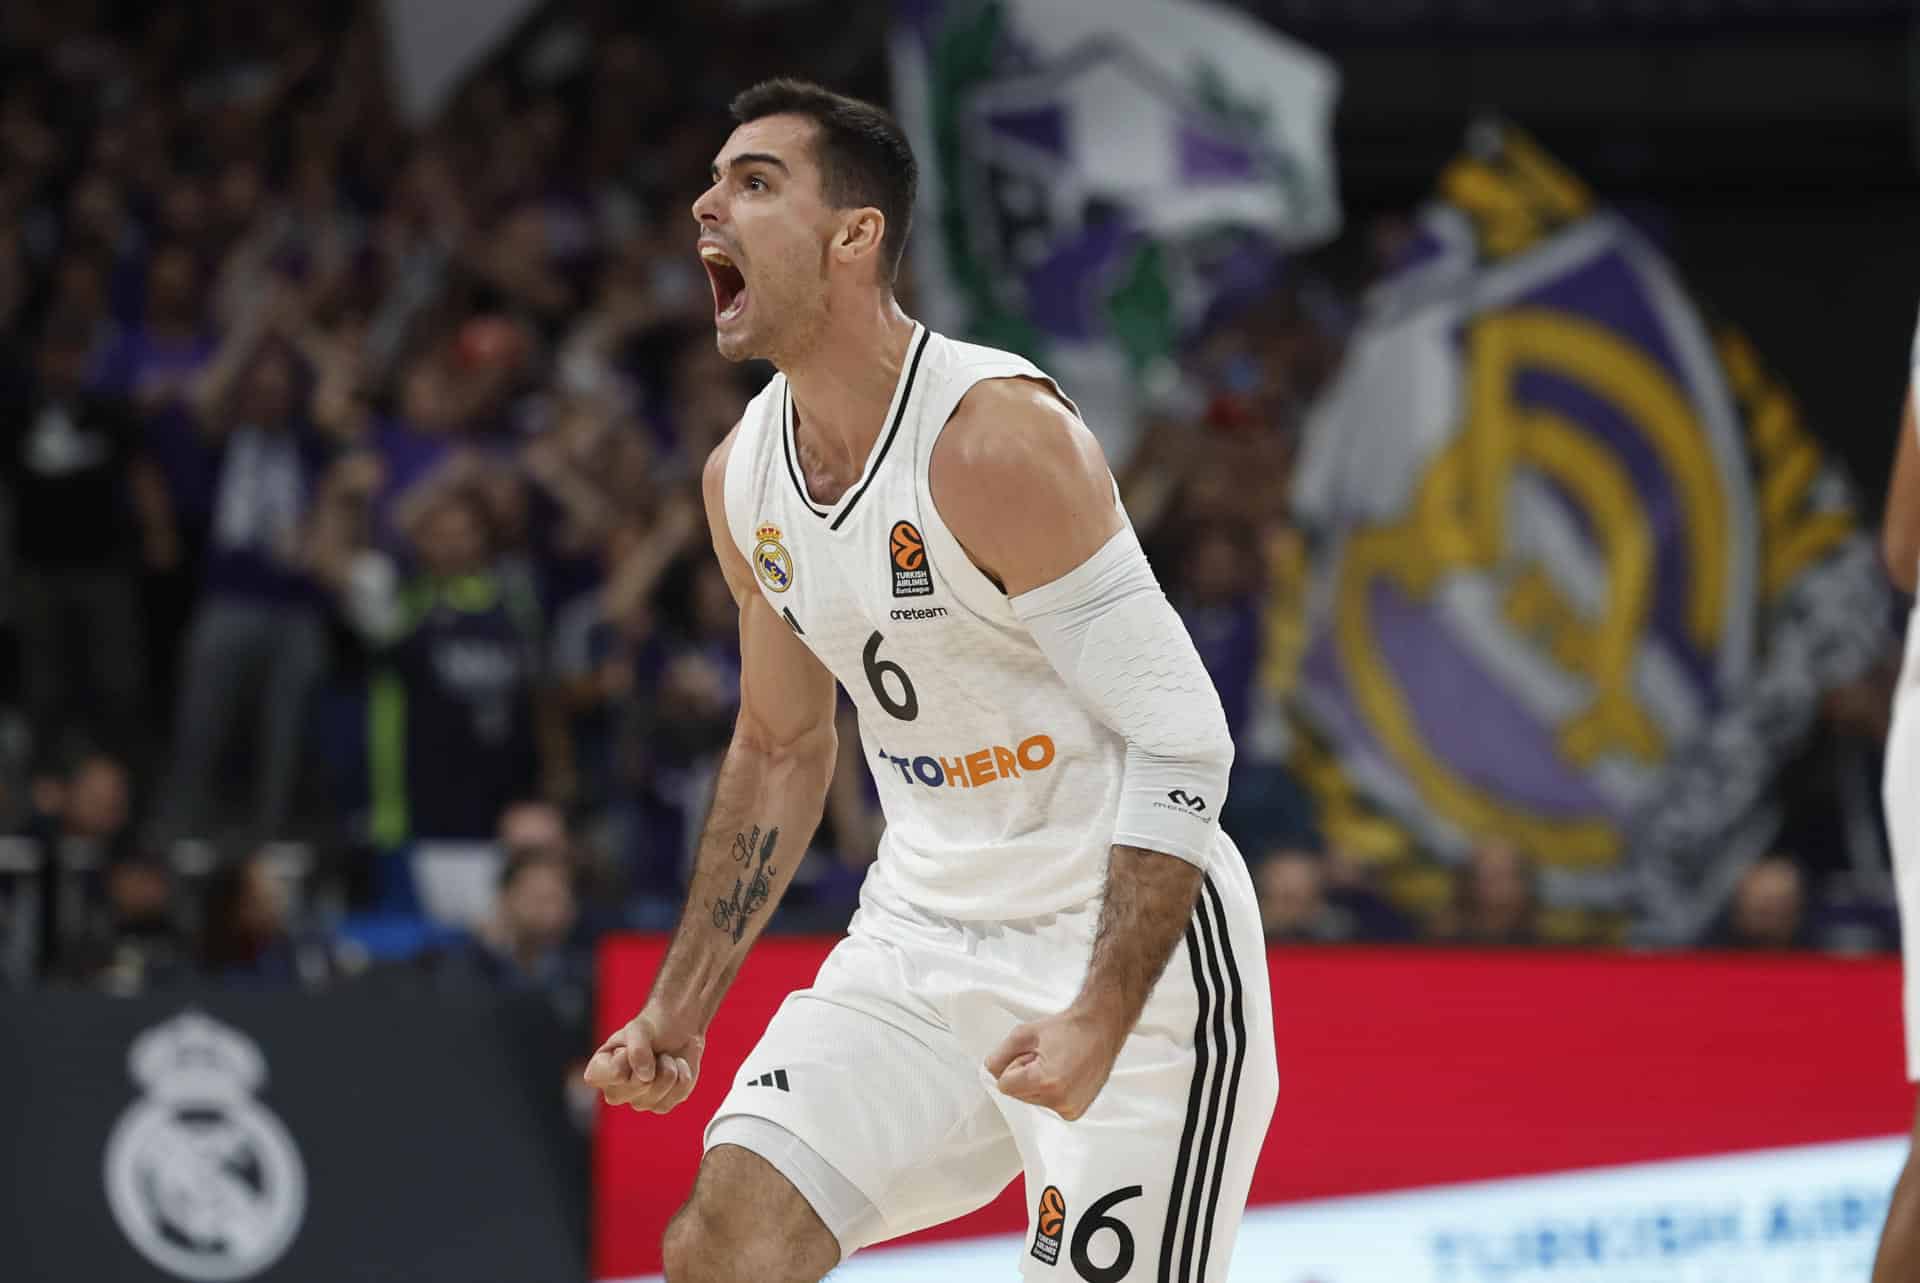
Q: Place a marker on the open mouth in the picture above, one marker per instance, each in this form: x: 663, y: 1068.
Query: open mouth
x: 729, y: 285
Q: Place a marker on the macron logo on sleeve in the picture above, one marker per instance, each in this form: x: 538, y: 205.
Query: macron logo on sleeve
x: 1185, y: 801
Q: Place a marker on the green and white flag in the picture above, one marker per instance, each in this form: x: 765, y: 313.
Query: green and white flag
x: 1097, y: 176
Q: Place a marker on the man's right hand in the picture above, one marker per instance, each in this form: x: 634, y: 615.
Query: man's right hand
x: 646, y: 1065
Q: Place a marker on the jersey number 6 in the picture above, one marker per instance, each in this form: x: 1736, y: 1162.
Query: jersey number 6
x: 907, y: 707
x: 1092, y: 1222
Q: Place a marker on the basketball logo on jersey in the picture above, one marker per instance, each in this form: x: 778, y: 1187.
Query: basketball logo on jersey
x: 907, y: 553
x: 1051, y: 1221
x: 770, y: 560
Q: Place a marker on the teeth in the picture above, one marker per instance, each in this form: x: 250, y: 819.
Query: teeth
x: 712, y: 254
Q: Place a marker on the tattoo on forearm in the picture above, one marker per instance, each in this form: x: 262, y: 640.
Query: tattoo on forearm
x: 752, y: 886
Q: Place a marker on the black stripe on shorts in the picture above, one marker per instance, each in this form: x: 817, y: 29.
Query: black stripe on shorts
x: 1212, y: 1097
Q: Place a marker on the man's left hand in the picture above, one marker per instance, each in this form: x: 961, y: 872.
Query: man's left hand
x: 1059, y: 1063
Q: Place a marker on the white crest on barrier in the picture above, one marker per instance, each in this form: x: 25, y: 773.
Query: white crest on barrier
x: 203, y: 1179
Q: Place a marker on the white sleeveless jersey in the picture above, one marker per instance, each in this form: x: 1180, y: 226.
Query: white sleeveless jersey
x: 1000, y: 789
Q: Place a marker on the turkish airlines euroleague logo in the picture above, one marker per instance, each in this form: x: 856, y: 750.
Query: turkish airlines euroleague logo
x: 1050, y: 1222
x: 907, y: 554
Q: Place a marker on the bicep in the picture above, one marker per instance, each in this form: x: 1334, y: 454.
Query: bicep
x: 1023, y: 485
x: 786, y: 693
x: 1900, y: 533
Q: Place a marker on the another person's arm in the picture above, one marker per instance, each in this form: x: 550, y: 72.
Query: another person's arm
x: 1024, y: 487
x: 210, y: 392
x: 766, y: 805
x: 1900, y: 530
x: 634, y: 579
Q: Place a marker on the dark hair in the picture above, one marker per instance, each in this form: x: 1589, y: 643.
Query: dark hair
x: 66, y: 332
x: 522, y: 860
x: 863, y: 155
x: 225, y: 940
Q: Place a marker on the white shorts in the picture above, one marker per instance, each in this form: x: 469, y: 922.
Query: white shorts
x: 1900, y: 792
x: 878, y: 1070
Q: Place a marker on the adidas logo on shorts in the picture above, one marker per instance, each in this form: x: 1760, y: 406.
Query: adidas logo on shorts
x: 777, y: 1078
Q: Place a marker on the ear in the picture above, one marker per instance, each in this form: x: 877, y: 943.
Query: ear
x: 860, y: 235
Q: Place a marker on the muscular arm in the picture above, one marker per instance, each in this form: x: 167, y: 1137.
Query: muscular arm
x: 1900, y: 529
x: 1149, y: 902
x: 767, y: 802
x: 1023, y: 486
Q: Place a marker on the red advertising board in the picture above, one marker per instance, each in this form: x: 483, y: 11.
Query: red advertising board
x: 1405, y: 1068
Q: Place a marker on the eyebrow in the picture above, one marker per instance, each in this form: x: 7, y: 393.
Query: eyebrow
x: 751, y: 158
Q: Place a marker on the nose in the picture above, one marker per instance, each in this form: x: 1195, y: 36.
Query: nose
x: 706, y: 207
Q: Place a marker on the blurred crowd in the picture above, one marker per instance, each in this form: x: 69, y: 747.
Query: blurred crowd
x: 356, y: 603
x: 351, y: 473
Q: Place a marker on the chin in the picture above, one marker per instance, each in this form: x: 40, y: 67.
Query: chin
x: 735, y: 346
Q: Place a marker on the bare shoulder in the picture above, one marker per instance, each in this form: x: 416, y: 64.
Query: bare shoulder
x: 713, y: 489
x: 1012, y: 427
x: 713, y: 475
x: 1022, y: 483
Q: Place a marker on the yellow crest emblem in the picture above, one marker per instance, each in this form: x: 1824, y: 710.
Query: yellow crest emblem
x: 771, y: 561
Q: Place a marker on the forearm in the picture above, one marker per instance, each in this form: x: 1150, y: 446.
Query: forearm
x: 210, y: 390
x: 1900, y: 536
x: 634, y: 579
x: 330, y: 541
x: 585, y: 504
x: 766, y: 805
x: 1148, y: 904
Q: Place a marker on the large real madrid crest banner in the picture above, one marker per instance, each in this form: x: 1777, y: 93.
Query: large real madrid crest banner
x: 1581, y: 574
x: 1094, y: 177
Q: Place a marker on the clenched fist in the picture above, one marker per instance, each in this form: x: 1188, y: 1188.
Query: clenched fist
x: 1059, y: 1063
x: 646, y: 1065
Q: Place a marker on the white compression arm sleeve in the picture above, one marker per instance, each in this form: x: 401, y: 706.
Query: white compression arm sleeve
x: 1110, y: 633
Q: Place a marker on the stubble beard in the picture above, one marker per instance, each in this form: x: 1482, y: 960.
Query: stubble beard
x: 783, y: 336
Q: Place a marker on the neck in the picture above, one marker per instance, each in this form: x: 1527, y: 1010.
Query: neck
x: 840, y: 390
x: 500, y: 938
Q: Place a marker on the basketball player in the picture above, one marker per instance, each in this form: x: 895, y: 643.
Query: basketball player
x: 1899, y: 1259
x: 1056, y: 967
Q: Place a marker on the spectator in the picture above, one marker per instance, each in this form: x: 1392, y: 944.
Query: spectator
x: 1216, y: 599
x: 1218, y: 586
x: 247, y: 939
x: 132, y: 943
x: 1309, y: 897
x: 672, y: 745
x: 81, y: 822
x: 533, y: 828
x: 1496, y: 898
x: 257, y: 644
x: 452, y: 716
x: 1292, y: 888
x: 1769, y: 909
x: 154, y: 366
x: 454, y: 703
x: 15, y: 280
x: 606, y: 644
x: 68, y: 458
x: 78, y: 293
x: 523, y: 945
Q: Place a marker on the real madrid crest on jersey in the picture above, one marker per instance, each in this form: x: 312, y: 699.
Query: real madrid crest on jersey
x: 202, y: 1178
x: 770, y: 559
